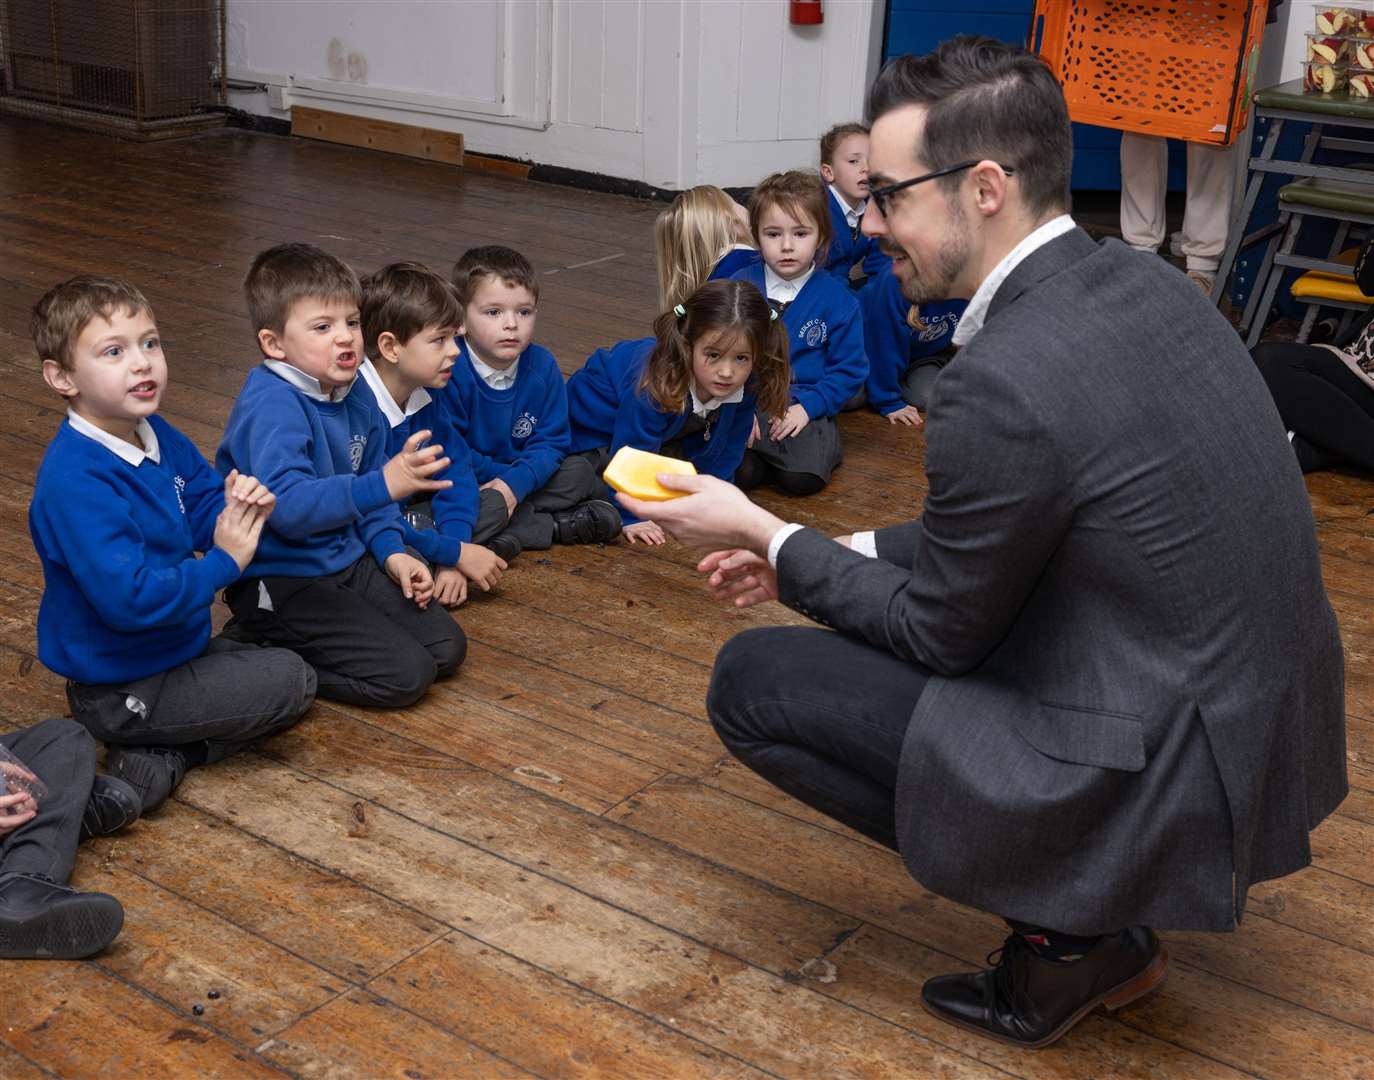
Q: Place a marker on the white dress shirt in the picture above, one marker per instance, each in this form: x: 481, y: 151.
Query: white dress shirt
x: 705, y: 408
x: 969, y: 324
x: 496, y: 378
x: 852, y: 217
x: 117, y: 446
x: 394, y: 413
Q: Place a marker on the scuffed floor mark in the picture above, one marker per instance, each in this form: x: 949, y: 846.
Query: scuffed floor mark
x: 820, y: 969
x: 533, y: 772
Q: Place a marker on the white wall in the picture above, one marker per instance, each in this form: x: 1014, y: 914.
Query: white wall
x: 670, y: 92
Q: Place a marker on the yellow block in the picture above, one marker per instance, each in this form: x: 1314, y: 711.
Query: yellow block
x: 635, y: 472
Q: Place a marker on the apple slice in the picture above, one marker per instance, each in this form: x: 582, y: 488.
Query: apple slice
x: 1364, y: 54
x: 1322, y: 78
x: 1364, y: 24
x: 1362, y: 85
x: 1325, y: 50
x: 1334, y: 20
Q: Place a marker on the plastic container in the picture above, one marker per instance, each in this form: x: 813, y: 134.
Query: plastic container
x: 1360, y: 83
x: 1183, y: 69
x: 1324, y: 78
x: 15, y: 776
x: 1363, y: 55
x: 1336, y: 20
x: 1331, y: 49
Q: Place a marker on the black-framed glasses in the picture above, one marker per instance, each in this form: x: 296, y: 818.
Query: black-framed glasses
x: 881, y: 195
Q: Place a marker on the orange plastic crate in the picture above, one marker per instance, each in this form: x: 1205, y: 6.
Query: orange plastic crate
x: 1183, y: 69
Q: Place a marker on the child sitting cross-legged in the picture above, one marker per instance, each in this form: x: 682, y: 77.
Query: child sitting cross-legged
x: 511, y: 406
x: 332, y: 579
x: 122, y: 503
x: 410, y: 318
x: 688, y: 392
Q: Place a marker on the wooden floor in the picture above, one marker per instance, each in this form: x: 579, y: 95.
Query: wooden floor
x: 549, y: 867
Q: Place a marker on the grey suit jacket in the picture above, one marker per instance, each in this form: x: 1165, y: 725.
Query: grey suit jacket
x: 1137, y: 708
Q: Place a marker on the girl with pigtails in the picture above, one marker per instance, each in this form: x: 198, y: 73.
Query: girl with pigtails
x: 691, y: 391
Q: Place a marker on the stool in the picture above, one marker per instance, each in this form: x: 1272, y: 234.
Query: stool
x: 1342, y: 202
x: 1318, y: 289
x: 1277, y: 105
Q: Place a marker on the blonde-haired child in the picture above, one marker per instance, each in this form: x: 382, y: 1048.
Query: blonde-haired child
x: 702, y: 236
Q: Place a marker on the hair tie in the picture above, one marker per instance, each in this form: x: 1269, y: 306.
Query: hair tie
x: 679, y: 310
x: 772, y: 314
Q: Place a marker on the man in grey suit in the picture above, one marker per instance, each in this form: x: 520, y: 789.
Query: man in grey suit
x: 1097, y: 686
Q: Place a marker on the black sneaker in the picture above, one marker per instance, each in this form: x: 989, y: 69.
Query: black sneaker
x: 113, y: 805
x: 592, y: 522
x: 506, y: 546
x: 153, y: 771
x: 40, y: 919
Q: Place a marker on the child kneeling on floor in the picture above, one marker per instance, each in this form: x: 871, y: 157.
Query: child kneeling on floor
x: 332, y: 579
x: 122, y: 503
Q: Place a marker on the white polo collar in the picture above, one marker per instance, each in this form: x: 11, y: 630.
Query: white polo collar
x: 496, y: 378
x: 394, y: 413
x: 117, y: 446
x: 703, y: 408
x: 306, y: 384
x: 784, y: 291
x: 971, y: 321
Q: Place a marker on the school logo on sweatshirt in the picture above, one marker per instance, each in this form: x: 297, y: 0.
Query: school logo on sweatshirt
x: 524, y: 426
x: 813, y: 332
x: 938, y: 327
x: 179, y: 485
x: 356, y: 445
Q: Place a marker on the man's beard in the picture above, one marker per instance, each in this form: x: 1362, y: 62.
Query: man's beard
x: 935, y: 281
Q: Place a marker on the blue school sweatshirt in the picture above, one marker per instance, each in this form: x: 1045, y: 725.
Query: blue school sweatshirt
x: 732, y: 261
x: 825, y: 342
x: 323, y: 461
x: 519, y: 434
x: 454, y: 508
x: 124, y: 595
x: 607, y: 408
x: 892, y: 345
x: 846, y: 250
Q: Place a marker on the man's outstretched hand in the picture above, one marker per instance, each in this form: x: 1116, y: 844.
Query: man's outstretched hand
x: 711, y: 516
x: 740, y: 577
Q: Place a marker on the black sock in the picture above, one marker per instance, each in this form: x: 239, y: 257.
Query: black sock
x: 1053, y: 945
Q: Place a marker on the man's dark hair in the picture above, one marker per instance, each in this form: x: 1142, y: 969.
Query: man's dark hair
x: 985, y: 100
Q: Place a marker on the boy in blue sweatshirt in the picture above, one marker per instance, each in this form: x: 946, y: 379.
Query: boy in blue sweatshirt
x: 844, y: 168
x: 332, y: 579
x: 800, y: 449
x: 510, y: 404
x: 411, y: 317
x: 907, y: 347
x: 122, y: 503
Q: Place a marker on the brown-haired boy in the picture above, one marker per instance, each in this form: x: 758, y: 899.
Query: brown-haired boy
x: 844, y: 167
x: 511, y: 406
x: 411, y: 317
x: 122, y: 503
x: 332, y: 579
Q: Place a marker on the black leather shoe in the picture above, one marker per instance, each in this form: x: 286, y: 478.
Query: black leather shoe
x: 153, y: 771
x: 40, y: 919
x: 1030, y: 1002
x: 506, y: 546
x: 592, y: 522
x: 113, y: 804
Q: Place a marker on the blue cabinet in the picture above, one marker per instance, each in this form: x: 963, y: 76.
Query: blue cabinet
x: 918, y: 26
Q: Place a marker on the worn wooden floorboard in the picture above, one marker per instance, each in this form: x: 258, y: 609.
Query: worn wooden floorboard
x: 549, y: 866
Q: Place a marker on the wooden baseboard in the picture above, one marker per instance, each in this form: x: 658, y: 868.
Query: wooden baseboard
x: 520, y: 170
x: 384, y: 135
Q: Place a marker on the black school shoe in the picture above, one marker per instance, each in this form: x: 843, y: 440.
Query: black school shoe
x: 152, y: 771
x: 113, y: 805
x: 42, y: 920
x: 1030, y: 1002
x: 592, y: 522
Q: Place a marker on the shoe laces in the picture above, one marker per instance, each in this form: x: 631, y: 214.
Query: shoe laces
x: 1003, y: 960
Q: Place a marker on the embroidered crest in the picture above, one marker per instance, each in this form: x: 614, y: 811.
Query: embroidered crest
x: 356, y: 445
x: 939, y: 327
x: 179, y: 485
x: 524, y: 426
x: 813, y: 332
